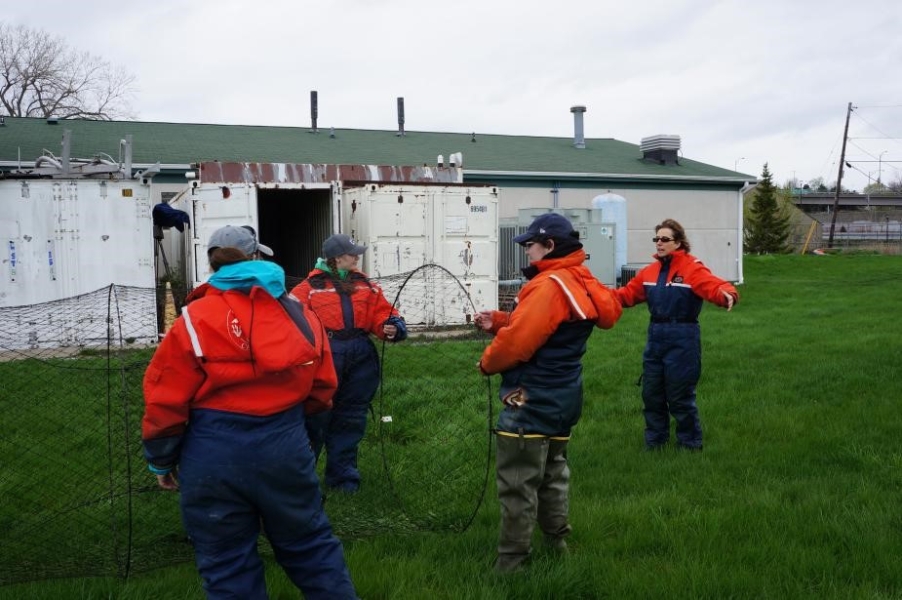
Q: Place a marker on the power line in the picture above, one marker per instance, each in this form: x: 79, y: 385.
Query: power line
x: 860, y: 148
x: 851, y: 166
x: 886, y: 135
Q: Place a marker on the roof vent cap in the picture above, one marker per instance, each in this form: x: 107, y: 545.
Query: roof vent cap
x: 662, y: 149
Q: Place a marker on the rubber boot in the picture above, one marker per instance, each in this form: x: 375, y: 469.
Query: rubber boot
x: 554, y: 498
x: 520, y: 466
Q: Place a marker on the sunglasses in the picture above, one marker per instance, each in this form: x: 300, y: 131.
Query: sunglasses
x: 661, y: 238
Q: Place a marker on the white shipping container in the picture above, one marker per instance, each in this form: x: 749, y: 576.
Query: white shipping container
x: 404, y: 225
x: 208, y: 211
x: 407, y: 226
x: 67, y: 237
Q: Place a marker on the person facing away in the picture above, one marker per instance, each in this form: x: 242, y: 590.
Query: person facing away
x: 226, y: 396
x: 537, y: 348
x: 674, y: 285
x: 351, y: 307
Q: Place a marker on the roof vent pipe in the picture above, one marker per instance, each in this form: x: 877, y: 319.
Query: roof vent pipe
x: 579, y: 139
x: 314, y: 111
x: 401, y: 116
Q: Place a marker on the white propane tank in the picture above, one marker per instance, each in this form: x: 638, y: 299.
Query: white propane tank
x: 613, y: 210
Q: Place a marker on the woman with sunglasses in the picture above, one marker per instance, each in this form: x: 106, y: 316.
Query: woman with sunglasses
x: 675, y: 286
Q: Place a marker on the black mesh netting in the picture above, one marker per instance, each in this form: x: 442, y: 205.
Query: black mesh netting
x: 77, y: 499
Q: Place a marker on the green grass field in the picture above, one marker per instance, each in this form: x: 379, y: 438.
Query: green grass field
x: 796, y: 494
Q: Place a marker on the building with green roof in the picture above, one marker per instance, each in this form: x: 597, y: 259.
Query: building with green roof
x: 532, y: 172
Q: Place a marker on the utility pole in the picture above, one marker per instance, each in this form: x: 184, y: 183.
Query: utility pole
x: 842, y: 162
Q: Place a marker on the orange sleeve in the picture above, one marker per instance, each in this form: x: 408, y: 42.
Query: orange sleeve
x: 542, y: 308
x: 380, y: 310
x: 500, y: 319
x: 302, y: 292
x: 608, y: 306
x: 710, y: 287
x: 633, y: 292
x: 170, y: 383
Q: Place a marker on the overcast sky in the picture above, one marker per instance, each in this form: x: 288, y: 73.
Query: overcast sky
x: 742, y: 82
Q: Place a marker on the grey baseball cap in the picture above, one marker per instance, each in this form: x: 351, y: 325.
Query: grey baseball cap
x: 339, y: 244
x: 263, y: 248
x: 243, y: 238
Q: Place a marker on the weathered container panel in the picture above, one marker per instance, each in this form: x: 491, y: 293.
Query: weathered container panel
x: 404, y: 225
x: 66, y: 238
x: 63, y: 238
x: 211, y: 206
x: 407, y: 226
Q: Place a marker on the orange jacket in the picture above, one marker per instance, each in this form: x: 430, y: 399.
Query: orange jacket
x: 235, y: 352
x: 679, y: 296
x: 563, y: 291
x: 367, y: 308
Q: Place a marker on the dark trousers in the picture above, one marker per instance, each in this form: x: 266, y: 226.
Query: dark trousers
x: 671, y: 367
x: 239, y: 474
x: 339, y: 431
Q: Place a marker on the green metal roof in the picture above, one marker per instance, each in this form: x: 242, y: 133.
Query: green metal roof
x: 503, y: 156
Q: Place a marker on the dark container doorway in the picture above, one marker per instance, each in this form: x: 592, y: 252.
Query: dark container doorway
x: 294, y: 224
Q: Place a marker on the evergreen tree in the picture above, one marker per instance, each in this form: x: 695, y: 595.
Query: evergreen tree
x: 767, y: 226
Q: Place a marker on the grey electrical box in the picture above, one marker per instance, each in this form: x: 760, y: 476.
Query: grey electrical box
x: 597, y: 238
x: 511, y: 257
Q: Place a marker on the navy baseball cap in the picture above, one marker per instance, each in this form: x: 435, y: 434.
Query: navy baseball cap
x: 543, y: 227
x: 339, y: 244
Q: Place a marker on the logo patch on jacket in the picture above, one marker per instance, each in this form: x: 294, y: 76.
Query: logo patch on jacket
x: 236, y: 334
x: 677, y: 278
x: 515, y: 399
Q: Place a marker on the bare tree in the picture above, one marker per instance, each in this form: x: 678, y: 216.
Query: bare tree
x: 41, y: 76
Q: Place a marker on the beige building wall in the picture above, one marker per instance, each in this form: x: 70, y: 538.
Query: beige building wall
x: 713, y: 219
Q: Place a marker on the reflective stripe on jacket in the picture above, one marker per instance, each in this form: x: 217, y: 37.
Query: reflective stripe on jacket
x: 538, y: 347
x: 364, y: 308
x: 563, y: 291
x: 235, y: 352
x: 675, y: 287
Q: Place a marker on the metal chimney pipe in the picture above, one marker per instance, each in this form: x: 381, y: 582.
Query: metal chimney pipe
x: 579, y: 139
x: 314, y: 110
x: 400, y: 116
